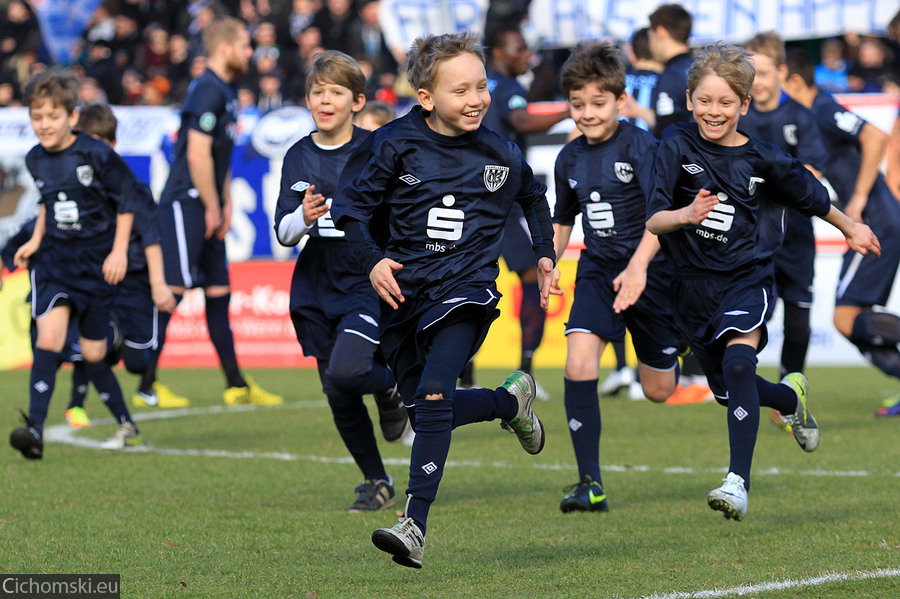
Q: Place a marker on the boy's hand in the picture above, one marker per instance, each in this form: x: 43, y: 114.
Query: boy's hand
x: 314, y: 206
x: 545, y: 280
x: 226, y: 221
x: 382, y: 278
x: 555, y: 289
x: 861, y: 239
x: 163, y: 297
x: 213, y: 217
x: 26, y: 251
x: 697, y: 211
x: 630, y: 284
x: 114, y: 267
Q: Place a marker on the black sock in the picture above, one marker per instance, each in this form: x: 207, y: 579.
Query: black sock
x: 79, y: 386
x: 217, y: 321
x: 796, y: 338
x: 43, y: 380
x: 739, y: 370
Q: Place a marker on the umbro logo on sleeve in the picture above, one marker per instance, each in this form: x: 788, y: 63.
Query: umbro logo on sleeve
x: 692, y: 168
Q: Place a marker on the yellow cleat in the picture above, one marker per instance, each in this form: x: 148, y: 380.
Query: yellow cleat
x: 236, y: 396
x: 160, y: 397
x: 251, y: 394
x: 77, y: 418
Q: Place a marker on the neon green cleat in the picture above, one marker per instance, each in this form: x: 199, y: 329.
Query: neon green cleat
x: 77, y: 418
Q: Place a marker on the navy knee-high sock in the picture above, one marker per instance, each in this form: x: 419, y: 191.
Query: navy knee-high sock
x: 583, y: 413
x: 222, y: 339
x: 796, y: 338
x: 739, y: 370
x: 149, y: 375
x: 434, y: 422
x: 775, y: 395
x: 531, y: 319
x: 43, y: 380
x: 483, y: 405
x: 79, y: 386
x: 101, y: 375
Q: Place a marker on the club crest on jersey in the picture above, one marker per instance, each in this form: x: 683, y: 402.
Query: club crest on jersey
x: 495, y: 176
x: 692, y: 168
x: 790, y: 134
x: 85, y: 174
x: 754, y: 183
x: 624, y: 171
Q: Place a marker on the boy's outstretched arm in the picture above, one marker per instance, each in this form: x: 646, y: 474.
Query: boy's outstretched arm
x: 24, y: 253
x: 666, y: 221
x: 373, y: 262
x: 859, y: 236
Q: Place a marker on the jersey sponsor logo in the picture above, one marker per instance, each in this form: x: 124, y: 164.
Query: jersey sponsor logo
x: 300, y: 186
x: 495, y: 176
x: 664, y: 105
x: 572, y: 183
x: 721, y: 217
x: 409, y: 179
x: 207, y: 121
x: 445, y: 223
x: 624, y: 171
x: 847, y: 121
x: 754, y: 183
x: 692, y: 168
x: 85, y: 174
x: 325, y: 224
x: 517, y: 102
x: 790, y: 134
x: 600, y: 215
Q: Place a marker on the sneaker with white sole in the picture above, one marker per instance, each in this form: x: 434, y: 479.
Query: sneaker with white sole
x: 587, y: 495
x: 636, y: 391
x: 802, y: 423
x: 617, y: 380
x: 125, y: 436
x: 730, y: 498
x: 525, y: 424
x: 404, y: 541
x: 374, y: 495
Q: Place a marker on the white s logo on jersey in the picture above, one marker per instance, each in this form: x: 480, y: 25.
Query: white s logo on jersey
x: 445, y: 223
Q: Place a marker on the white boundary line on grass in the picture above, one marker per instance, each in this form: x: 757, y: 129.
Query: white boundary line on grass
x: 62, y: 433
x: 779, y: 585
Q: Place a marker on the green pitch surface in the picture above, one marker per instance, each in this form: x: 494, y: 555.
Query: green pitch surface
x: 251, y: 503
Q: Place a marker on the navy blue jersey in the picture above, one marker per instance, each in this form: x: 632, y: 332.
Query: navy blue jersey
x: 326, y: 272
x: 640, y: 83
x: 841, y: 129
x: 792, y: 127
x: 83, y: 188
x: 506, y: 95
x: 754, y: 183
x: 145, y: 231
x: 446, y: 200
x: 210, y: 107
x: 669, y: 97
x: 608, y: 183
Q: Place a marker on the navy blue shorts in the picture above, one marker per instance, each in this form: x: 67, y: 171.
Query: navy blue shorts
x: 867, y: 280
x: 516, y: 249
x: 91, y: 312
x: 709, y: 310
x: 316, y: 331
x: 653, y: 332
x: 135, y: 313
x: 190, y: 260
x: 72, y: 349
x: 407, y: 333
x: 795, y: 262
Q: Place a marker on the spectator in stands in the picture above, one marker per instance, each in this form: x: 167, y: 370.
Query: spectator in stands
x: 19, y: 32
x: 831, y: 72
x: 153, y: 59
x: 302, y: 15
x: 375, y: 50
x: 270, y: 96
x: 340, y: 27
x: 101, y: 66
x: 155, y: 91
x: 90, y: 92
x: 874, y: 70
x: 125, y: 43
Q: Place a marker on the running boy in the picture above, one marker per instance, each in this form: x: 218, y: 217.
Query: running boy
x: 604, y: 175
x: 82, y: 234
x: 718, y: 205
x: 424, y: 210
x: 333, y: 307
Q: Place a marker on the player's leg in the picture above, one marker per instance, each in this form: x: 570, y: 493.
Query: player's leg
x: 622, y: 376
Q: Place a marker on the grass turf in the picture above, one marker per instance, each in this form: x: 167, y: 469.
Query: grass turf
x: 253, y: 503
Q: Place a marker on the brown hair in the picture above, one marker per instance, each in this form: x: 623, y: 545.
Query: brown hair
x: 382, y: 112
x: 768, y: 44
x: 427, y: 52
x: 332, y: 66
x: 98, y: 120
x: 597, y: 62
x: 59, y: 86
x: 799, y: 63
x: 674, y: 19
x: 729, y: 62
x: 222, y: 29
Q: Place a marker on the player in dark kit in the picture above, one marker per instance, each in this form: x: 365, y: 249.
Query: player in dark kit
x: 718, y: 206
x: 776, y: 118
x: 424, y: 210
x: 82, y: 235
x: 669, y: 32
x: 333, y: 306
x: 195, y: 205
x: 855, y: 149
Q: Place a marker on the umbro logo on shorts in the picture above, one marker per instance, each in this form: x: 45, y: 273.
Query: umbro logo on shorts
x: 692, y: 168
x: 409, y: 179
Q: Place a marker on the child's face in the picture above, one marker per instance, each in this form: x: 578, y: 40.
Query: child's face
x: 595, y: 112
x: 52, y: 124
x: 332, y: 106
x: 766, y: 91
x: 716, y: 109
x: 460, y: 96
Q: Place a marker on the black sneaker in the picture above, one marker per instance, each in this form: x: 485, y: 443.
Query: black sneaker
x: 114, y: 351
x: 28, y: 439
x: 392, y: 415
x: 586, y: 495
x: 373, y: 496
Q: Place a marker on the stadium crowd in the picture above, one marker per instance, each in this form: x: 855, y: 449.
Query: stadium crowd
x: 146, y: 52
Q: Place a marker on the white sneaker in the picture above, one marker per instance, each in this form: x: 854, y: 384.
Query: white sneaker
x: 404, y: 541
x: 636, y: 391
x: 730, y: 498
x: 125, y: 436
x: 617, y: 380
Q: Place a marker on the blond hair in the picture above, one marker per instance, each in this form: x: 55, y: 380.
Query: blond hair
x: 428, y: 51
x: 222, y: 29
x: 768, y: 44
x: 727, y: 61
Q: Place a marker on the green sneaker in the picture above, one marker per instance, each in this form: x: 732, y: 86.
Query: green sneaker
x: 802, y: 423
x: 587, y: 495
x: 525, y: 425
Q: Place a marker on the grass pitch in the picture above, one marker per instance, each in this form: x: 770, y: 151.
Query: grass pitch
x: 252, y: 503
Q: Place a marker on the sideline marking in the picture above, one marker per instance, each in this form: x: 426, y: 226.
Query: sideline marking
x: 62, y: 433
x: 779, y: 585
